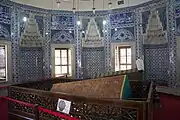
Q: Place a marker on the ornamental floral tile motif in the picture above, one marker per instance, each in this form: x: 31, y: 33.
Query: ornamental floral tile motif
x: 131, y: 21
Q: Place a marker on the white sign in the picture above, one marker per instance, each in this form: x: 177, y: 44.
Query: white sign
x: 63, y: 106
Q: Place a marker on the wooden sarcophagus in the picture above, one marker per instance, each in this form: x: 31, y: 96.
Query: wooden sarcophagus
x: 117, y: 87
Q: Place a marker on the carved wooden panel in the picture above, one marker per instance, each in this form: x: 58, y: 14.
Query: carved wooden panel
x: 85, y: 109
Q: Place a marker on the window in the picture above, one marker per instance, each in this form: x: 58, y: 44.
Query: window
x: 3, y: 63
x: 123, y: 58
x: 63, y: 64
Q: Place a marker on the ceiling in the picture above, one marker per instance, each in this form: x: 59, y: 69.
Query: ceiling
x: 82, y: 5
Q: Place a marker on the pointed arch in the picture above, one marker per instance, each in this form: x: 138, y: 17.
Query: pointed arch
x: 122, y: 35
x: 62, y: 37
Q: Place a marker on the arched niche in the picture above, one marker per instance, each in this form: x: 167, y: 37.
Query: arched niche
x: 156, y: 51
x: 93, y: 50
x: 31, y: 52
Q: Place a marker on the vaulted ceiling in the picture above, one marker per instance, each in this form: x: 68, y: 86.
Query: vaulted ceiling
x: 82, y: 5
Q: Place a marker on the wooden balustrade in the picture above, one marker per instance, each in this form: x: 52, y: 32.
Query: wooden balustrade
x: 139, y: 107
x: 86, y: 108
x: 36, y: 108
x: 82, y: 107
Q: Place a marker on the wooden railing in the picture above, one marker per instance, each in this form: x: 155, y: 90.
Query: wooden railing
x: 82, y: 107
x: 150, y: 102
x: 36, y: 110
x: 140, y: 89
x: 139, y: 107
x: 133, y: 74
x: 44, y: 84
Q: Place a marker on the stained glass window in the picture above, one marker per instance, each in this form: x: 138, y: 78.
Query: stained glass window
x: 123, y: 58
x: 63, y: 62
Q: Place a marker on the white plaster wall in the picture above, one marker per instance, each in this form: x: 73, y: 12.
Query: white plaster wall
x: 84, y: 5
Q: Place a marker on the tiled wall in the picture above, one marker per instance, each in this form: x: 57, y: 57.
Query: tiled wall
x: 93, y: 61
x: 156, y: 63
x: 31, y: 64
x: 56, y: 26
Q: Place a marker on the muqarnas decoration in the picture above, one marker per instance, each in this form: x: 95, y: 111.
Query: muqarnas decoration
x: 31, y: 36
x: 92, y: 36
x: 154, y: 32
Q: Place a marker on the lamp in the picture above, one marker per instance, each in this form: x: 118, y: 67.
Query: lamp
x: 58, y: 2
x: 93, y: 9
x: 74, y: 9
x: 24, y: 19
x: 78, y: 22
x: 104, y: 22
x: 110, y: 4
